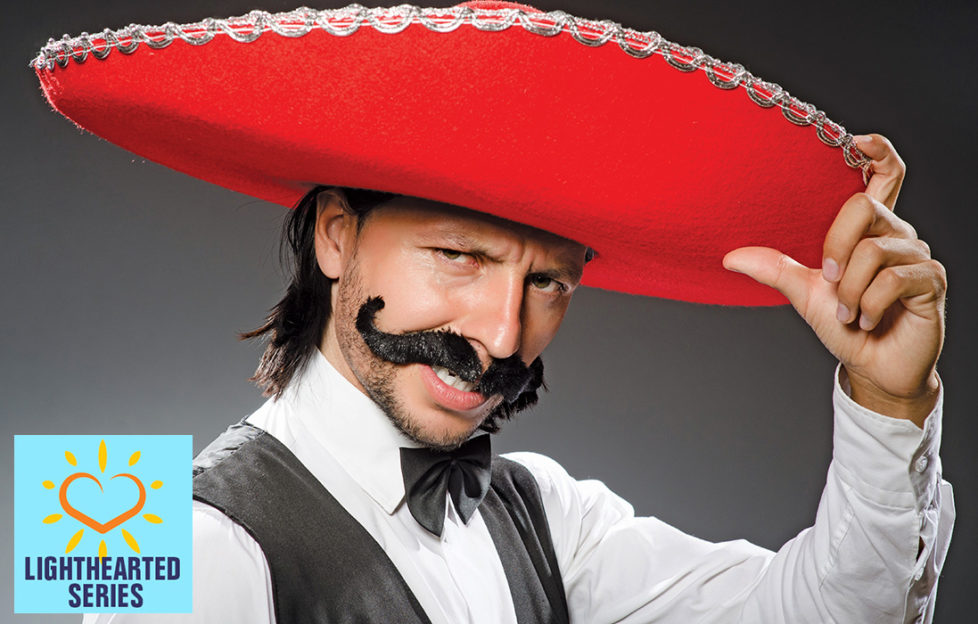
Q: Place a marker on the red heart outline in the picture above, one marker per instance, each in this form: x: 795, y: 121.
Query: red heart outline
x: 86, y: 520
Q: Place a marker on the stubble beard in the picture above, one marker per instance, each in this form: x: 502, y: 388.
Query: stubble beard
x: 376, y: 375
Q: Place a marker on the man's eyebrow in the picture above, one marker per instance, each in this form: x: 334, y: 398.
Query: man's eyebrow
x: 464, y: 242
x: 565, y: 272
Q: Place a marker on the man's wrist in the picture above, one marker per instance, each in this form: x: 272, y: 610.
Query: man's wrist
x: 914, y: 408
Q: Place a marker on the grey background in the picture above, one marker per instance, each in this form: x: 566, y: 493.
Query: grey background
x: 124, y: 283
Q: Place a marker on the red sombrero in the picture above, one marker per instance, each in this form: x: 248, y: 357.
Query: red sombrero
x: 657, y: 156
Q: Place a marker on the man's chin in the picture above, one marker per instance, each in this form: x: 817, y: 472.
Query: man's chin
x: 434, y: 437
x: 438, y: 428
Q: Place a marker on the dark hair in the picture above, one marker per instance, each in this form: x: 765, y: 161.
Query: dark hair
x: 294, y: 327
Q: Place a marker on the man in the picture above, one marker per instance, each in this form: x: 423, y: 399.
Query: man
x: 436, y: 318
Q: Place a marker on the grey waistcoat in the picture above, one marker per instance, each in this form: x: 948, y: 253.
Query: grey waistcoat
x: 326, y: 568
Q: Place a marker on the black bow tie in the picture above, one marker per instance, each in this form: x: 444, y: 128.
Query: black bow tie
x: 428, y: 474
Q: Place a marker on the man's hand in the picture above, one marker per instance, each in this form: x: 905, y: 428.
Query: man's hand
x: 877, y: 304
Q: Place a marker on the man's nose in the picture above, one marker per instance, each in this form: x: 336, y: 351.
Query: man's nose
x: 494, y: 318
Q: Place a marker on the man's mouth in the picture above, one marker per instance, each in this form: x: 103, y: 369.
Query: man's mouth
x: 453, y: 380
x: 450, y: 392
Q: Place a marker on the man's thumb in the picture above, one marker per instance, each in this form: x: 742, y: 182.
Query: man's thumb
x: 772, y: 268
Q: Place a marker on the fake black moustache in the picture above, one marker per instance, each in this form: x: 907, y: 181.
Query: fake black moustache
x: 509, y: 377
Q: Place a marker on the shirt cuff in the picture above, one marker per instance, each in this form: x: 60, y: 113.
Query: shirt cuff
x: 887, y: 460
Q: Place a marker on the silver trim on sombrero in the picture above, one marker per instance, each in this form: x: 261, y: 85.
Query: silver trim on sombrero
x: 346, y: 21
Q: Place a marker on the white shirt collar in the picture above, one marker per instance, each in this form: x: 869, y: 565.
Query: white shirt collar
x: 352, y: 428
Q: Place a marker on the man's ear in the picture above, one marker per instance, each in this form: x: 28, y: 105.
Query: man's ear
x: 335, y: 234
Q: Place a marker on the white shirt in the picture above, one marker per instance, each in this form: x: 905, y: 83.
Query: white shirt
x: 858, y: 563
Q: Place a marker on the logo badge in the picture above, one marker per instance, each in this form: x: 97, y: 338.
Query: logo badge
x: 102, y: 524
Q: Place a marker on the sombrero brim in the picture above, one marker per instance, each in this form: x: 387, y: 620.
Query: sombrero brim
x: 657, y: 156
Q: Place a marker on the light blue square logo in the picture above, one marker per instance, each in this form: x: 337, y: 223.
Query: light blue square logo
x: 102, y: 524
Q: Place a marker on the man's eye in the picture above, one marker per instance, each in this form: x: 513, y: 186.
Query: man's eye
x: 453, y: 255
x: 548, y: 284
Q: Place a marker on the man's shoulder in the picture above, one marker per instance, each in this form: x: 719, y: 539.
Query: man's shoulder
x: 536, y: 462
x: 546, y: 471
x: 563, y: 494
x: 225, y: 445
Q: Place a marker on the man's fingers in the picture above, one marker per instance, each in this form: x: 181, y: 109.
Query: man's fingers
x: 772, y: 268
x: 918, y: 285
x: 887, y: 168
x: 860, y: 216
x: 869, y: 258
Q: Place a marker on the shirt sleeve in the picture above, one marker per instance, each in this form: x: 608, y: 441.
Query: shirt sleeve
x: 873, y: 555
x: 228, y: 570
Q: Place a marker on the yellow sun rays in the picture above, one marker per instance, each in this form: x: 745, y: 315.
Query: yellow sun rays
x: 103, y: 455
x: 103, y: 458
x: 126, y: 535
x: 74, y: 541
